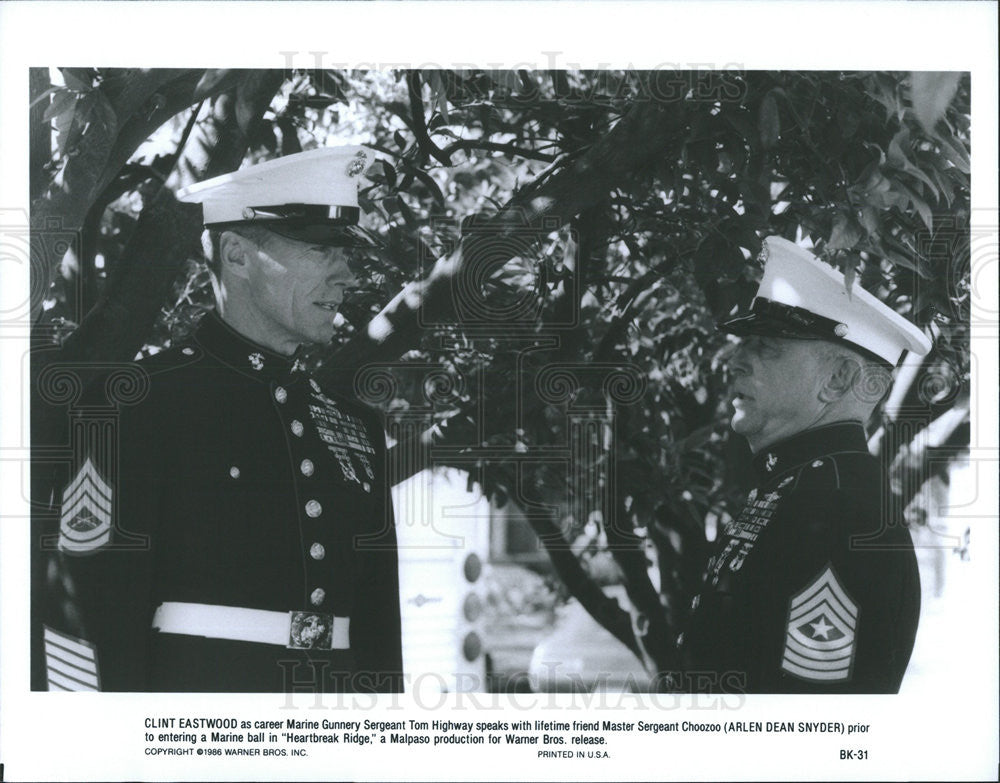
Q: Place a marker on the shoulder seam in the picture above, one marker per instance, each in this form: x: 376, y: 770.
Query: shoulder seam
x: 833, y: 462
x: 173, y: 358
x: 836, y: 470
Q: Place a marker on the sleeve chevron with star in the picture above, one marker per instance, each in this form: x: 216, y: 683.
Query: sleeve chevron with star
x: 821, y: 630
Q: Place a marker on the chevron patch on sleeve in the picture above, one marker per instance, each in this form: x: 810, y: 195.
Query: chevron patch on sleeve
x: 85, y: 523
x: 71, y: 663
x: 820, y: 632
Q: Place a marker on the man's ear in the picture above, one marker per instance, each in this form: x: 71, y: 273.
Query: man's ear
x: 233, y: 250
x: 841, y: 372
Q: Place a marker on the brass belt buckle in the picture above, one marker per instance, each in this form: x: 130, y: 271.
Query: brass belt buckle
x: 310, y: 631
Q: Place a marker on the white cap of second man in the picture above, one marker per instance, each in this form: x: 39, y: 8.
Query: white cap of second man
x: 800, y: 296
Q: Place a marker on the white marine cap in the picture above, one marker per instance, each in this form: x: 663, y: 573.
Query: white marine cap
x: 312, y: 196
x: 801, y: 297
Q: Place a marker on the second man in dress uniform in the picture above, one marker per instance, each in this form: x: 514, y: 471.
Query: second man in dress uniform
x: 814, y: 586
x: 232, y: 531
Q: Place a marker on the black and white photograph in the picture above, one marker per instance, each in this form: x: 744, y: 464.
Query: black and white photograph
x: 408, y: 416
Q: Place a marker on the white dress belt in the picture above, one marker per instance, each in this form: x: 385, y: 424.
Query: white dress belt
x: 294, y: 630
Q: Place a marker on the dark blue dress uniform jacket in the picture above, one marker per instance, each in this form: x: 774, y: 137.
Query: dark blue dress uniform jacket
x: 236, y: 481
x: 812, y: 588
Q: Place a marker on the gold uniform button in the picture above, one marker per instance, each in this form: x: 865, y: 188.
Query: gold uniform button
x: 317, y: 551
x: 297, y: 428
x: 313, y: 508
x: 307, y: 467
x: 367, y: 487
x: 234, y: 472
x: 317, y: 596
x: 187, y: 351
x: 280, y: 394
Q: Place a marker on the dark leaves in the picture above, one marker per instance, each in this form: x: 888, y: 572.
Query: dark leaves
x: 247, y: 92
x: 63, y: 101
x: 846, y: 233
x: 214, y: 80
x: 769, y: 122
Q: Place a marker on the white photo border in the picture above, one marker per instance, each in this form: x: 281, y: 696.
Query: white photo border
x: 79, y: 737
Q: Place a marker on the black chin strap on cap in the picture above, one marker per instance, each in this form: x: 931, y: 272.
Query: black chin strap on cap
x: 346, y: 216
x: 768, y: 317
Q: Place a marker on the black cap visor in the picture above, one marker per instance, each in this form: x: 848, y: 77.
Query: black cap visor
x: 773, y: 319
x: 323, y: 234
x: 767, y: 317
x: 312, y: 223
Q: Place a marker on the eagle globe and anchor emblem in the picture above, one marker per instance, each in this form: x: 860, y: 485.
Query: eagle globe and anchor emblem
x: 310, y: 631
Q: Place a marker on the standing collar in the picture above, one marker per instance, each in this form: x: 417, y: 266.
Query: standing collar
x: 242, y: 354
x: 839, y: 437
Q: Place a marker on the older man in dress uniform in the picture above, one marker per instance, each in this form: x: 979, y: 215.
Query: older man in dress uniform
x: 814, y: 586
x: 233, y: 531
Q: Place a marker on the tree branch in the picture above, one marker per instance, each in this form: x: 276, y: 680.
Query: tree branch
x: 491, y: 146
x: 625, y: 304
x: 142, y: 100
x: 40, y: 145
x: 618, y: 157
x: 70, y: 198
x: 419, y: 125
x: 626, y: 549
x: 623, y: 154
x: 174, y: 98
x: 604, y: 609
x: 166, y: 236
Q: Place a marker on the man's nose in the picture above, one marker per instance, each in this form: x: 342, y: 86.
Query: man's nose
x: 342, y: 275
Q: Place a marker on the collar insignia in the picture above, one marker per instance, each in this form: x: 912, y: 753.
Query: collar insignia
x: 771, y: 462
x: 256, y: 360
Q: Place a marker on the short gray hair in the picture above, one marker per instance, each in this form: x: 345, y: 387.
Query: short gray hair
x: 211, y: 242
x: 872, y: 382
